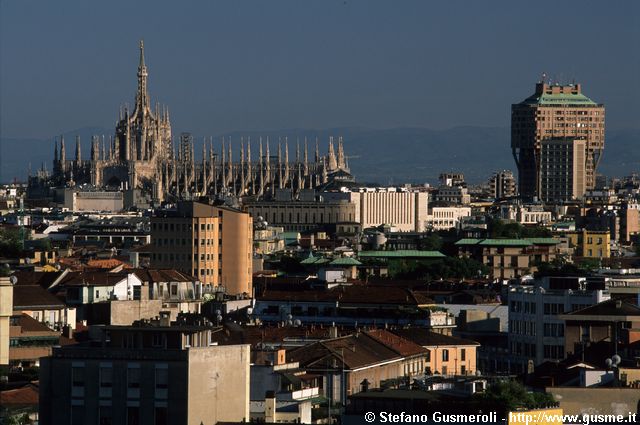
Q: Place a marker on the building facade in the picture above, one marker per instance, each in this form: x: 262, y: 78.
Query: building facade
x: 554, y: 111
x: 502, y: 185
x: 214, y: 244
x: 536, y: 329
x: 562, y: 171
x: 149, y: 373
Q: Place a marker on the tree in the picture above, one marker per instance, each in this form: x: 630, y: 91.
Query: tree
x: 499, y: 228
x: 507, y: 396
x: 10, y: 242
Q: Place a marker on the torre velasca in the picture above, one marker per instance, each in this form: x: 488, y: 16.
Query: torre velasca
x: 554, y: 112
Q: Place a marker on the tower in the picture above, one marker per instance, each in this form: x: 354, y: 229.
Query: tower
x: 554, y: 111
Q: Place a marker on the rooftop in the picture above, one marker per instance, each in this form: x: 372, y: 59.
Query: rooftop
x: 401, y: 253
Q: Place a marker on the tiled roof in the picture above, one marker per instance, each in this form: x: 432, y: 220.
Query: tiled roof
x: 354, y: 351
x: 345, y: 261
x: 104, y: 264
x: 560, y: 99
x: 508, y: 242
x: 614, y: 307
x: 505, y: 242
x: 36, y: 297
x: 403, y: 346
x: 427, y: 338
x: 25, y: 396
x: 162, y: 275
x: 92, y: 278
x: 401, y: 253
x: 365, y: 294
x: 43, y: 279
x: 29, y: 325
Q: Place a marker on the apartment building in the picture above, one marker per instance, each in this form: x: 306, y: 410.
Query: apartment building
x: 536, y: 329
x: 212, y: 243
x: 150, y: 373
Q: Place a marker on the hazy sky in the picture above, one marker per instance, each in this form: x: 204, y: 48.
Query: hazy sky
x: 250, y: 65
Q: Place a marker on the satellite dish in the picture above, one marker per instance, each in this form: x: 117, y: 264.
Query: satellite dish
x: 13, y: 280
x: 608, y: 362
x: 616, y: 360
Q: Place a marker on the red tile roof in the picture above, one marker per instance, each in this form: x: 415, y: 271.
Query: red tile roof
x: 25, y: 396
x: 355, y: 351
x: 34, y: 297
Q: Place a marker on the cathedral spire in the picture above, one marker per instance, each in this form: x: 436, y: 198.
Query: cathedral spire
x: 142, y: 97
x: 78, y: 154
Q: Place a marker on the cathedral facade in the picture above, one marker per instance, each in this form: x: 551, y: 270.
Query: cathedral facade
x: 141, y: 156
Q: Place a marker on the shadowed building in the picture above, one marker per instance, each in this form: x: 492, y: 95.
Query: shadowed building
x: 149, y: 373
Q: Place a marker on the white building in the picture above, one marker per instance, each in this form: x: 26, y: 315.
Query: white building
x: 536, y: 334
x: 403, y: 208
x: 444, y: 218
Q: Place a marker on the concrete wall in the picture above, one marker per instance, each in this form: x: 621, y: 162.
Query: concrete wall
x: 218, y: 384
x: 617, y: 401
x: 6, y: 309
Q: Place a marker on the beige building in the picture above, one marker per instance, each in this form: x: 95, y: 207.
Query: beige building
x: 149, y: 373
x: 447, y: 355
x: 562, y: 171
x: 6, y: 311
x: 405, y: 210
x: 554, y: 111
x: 302, y: 215
x: 590, y: 243
x: 214, y: 244
x: 509, y: 258
x: 77, y: 200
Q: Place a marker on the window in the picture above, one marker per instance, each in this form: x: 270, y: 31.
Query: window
x: 463, y: 355
x: 161, y: 416
x: 106, y: 376
x: 77, y: 376
x: 445, y: 356
x: 133, y: 377
x: 133, y: 415
x: 159, y: 340
x: 162, y: 378
x: 77, y: 415
x: 105, y: 415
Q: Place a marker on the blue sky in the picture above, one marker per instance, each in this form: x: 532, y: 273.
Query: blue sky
x: 252, y: 65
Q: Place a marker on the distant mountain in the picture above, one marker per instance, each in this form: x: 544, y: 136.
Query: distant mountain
x: 389, y: 156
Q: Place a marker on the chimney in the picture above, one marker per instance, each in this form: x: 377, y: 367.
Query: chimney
x: 165, y: 318
x: 270, y: 407
x: 333, y: 331
x: 618, y: 303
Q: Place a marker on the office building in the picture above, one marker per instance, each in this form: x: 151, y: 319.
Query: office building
x: 554, y: 111
x: 214, y: 244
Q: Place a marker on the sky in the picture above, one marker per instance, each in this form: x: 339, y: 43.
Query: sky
x: 233, y: 65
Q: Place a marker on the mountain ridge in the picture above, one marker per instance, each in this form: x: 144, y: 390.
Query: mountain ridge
x: 385, y: 156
